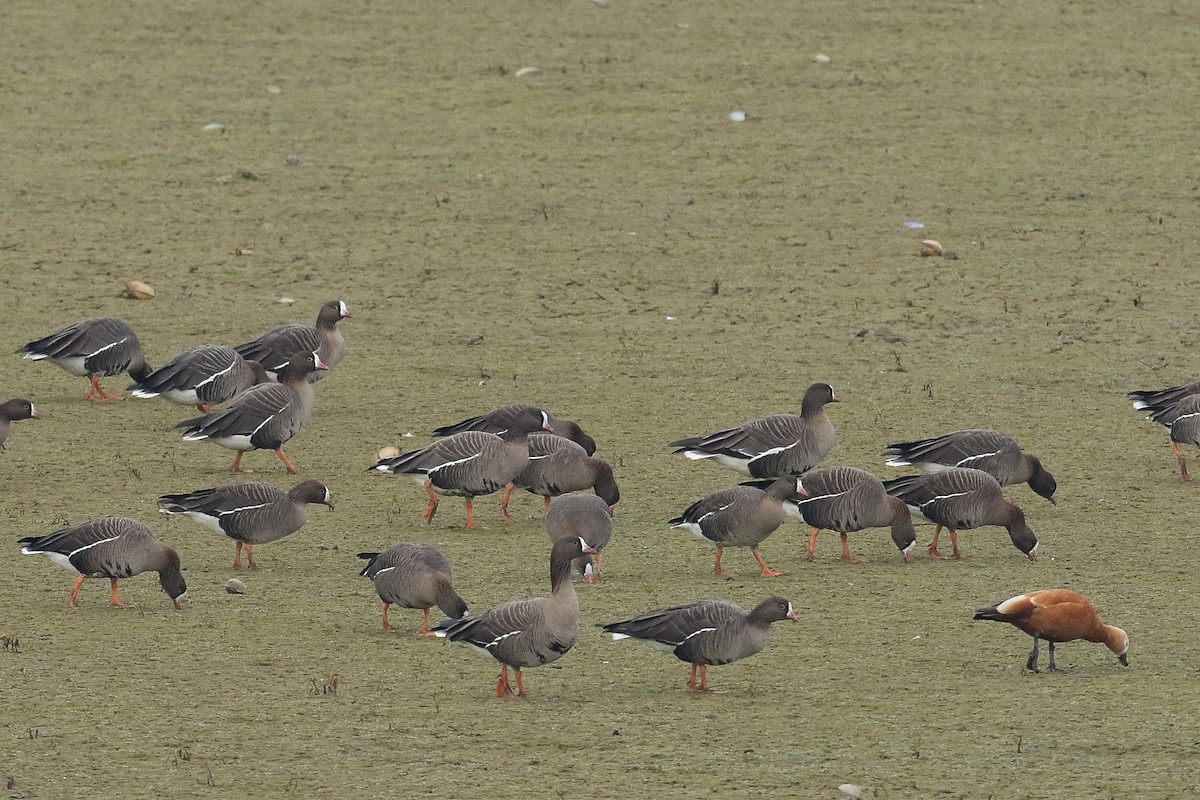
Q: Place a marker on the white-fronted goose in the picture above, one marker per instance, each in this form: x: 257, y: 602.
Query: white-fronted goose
x: 1179, y: 412
x: 742, y: 516
x: 1156, y: 401
x: 558, y: 465
x: 774, y: 446
x: 846, y: 499
x: 706, y: 632
x: 991, y: 451
x: 203, y: 377
x: 468, y: 464
x: 528, y: 632
x: 413, y: 576
x: 248, y: 513
x: 1057, y: 615
x: 581, y: 516
x: 113, y: 548
x: 93, y: 348
x: 263, y: 417
x: 960, y: 499
x: 500, y: 419
x: 277, y: 346
x: 12, y: 411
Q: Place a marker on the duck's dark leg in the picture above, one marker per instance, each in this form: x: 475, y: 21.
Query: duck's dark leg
x: 1031, y: 664
x: 1052, y: 667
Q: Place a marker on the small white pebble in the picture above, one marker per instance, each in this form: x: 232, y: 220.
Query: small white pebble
x: 670, y: 319
x: 234, y: 586
x: 409, y: 435
x: 214, y: 126
x: 849, y: 790
x: 737, y: 116
x: 273, y: 89
x: 820, y: 58
x: 527, y: 72
x: 292, y: 161
x: 286, y: 301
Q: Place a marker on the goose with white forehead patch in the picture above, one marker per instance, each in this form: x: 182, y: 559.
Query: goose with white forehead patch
x: 276, y: 347
x: 705, y: 633
x: 468, y: 464
x: 846, y: 499
x: 13, y: 411
x: 248, y: 513
x: 264, y: 417
x: 960, y: 499
x: 774, y: 446
x: 113, y: 548
x: 93, y: 348
x: 529, y: 632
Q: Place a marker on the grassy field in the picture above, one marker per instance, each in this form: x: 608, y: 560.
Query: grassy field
x: 600, y: 238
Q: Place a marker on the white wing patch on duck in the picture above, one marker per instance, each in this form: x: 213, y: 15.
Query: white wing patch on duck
x: 215, y: 375
x: 224, y: 512
x: 966, y: 461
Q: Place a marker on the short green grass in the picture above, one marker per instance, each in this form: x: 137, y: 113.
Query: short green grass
x: 601, y: 239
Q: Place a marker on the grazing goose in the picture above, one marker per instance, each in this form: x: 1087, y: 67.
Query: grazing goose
x: 1057, y: 615
x: 845, y: 499
x: 557, y: 466
x: 500, y: 419
x: 528, y: 632
x: 960, y: 499
x: 264, y: 417
x: 581, y: 516
x: 991, y: 451
x: 742, y: 516
x: 771, y: 447
x: 276, y: 347
x: 113, y: 548
x: 705, y: 632
x: 413, y: 576
x: 11, y: 411
x: 248, y: 513
x: 468, y: 464
x: 203, y: 377
x: 93, y: 348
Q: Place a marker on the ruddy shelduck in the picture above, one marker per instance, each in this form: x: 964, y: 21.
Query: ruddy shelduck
x: 1057, y: 615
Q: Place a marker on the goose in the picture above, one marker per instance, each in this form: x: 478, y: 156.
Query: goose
x: 264, y: 417
x: 1158, y: 400
x: 498, y: 420
x: 203, y: 377
x: 413, y: 576
x: 742, y: 516
x: 705, y: 632
x: 1057, y: 615
x: 277, y: 346
x: 1180, y: 414
x: 581, y: 516
x: 846, y: 499
x: 528, y: 632
x: 248, y: 513
x: 991, y: 451
x: 960, y: 499
x: 13, y: 411
x: 468, y: 464
x: 93, y: 348
x: 113, y: 548
x: 774, y: 446
x: 558, y: 465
